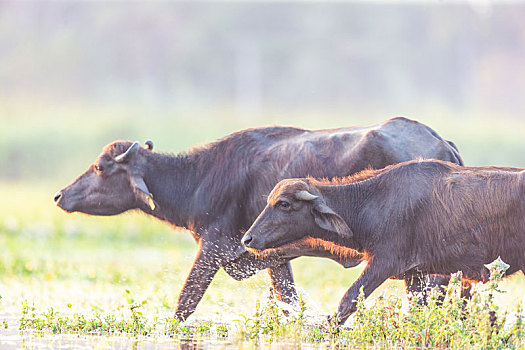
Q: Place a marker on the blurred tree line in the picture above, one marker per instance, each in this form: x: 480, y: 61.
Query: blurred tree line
x: 265, y: 55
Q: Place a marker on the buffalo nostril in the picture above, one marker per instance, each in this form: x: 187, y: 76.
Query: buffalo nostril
x: 246, y: 240
x: 57, y: 197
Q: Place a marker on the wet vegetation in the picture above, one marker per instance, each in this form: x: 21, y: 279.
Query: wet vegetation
x: 388, y: 322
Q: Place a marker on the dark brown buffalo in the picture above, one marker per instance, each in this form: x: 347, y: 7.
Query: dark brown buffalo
x: 429, y: 216
x: 216, y: 191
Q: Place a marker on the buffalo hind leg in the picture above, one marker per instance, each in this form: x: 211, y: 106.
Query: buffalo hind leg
x: 466, y: 288
x: 283, y: 283
x: 204, y: 268
x: 420, y: 285
x: 374, y: 274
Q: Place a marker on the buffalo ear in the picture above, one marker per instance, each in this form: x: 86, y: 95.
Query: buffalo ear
x: 130, y: 153
x: 329, y: 220
x: 142, y: 191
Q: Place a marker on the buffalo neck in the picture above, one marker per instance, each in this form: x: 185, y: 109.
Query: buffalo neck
x: 347, y: 201
x: 173, y: 181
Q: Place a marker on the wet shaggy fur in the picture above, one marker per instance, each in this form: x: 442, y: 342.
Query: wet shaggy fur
x: 425, y: 215
x: 217, y: 190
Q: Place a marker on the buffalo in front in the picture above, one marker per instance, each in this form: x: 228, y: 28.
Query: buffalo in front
x: 430, y: 216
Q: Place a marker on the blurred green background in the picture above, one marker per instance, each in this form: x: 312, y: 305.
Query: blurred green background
x: 75, y: 76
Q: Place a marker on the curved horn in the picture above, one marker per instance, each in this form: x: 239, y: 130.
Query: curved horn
x: 149, y: 145
x: 305, y: 196
x: 126, y: 156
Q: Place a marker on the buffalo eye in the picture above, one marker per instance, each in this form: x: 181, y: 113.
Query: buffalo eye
x: 282, y: 205
x: 99, y: 168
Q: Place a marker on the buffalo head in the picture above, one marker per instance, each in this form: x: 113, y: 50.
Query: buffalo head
x: 295, y: 209
x: 113, y: 184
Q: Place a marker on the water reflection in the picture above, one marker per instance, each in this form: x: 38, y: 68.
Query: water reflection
x: 14, y: 339
x: 190, y: 344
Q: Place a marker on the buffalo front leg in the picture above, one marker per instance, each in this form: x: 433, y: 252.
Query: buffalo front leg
x: 283, y: 283
x: 205, y: 266
x: 372, y: 277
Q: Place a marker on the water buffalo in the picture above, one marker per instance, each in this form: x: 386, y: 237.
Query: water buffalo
x: 216, y: 191
x: 430, y: 216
